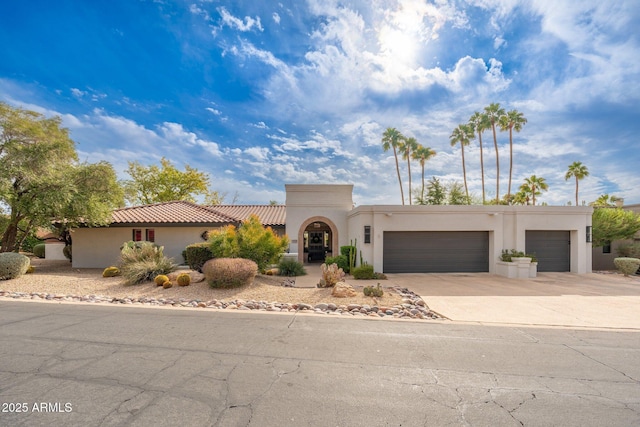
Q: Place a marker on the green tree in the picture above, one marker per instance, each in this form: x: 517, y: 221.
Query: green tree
x: 41, y: 180
x: 164, y: 183
x: 578, y: 171
x: 391, y: 139
x: 456, y: 194
x: 493, y: 113
x: 480, y: 123
x: 611, y: 224
x: 250, y: 241
x: 605, y: 201
x: 513, y: 120
x: 534, y: 186
x: 422, y: 154
x: 463, y: 135
x: 436, y: 192
x: 407, y: 147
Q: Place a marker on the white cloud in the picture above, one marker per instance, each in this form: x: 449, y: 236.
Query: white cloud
x: 77, y: 92
x: 175, y: 133
x: 276, y: 18
x: 247, y: 24
x: 213, y: 111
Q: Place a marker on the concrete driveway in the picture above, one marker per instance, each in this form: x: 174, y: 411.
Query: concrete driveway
x: 593, y: 300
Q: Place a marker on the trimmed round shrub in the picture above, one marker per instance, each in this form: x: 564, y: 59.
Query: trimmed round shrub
x: 183, y: 279
x: 160, y: 279
x: 627, y: 265
x: 290, y: 267
x: 229, y: 272
x: 197, y: 254
x: 38, y: 250
x: 13, y: 265
x: 363, y: 272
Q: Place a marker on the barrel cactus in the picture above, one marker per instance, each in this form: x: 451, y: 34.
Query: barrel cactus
x: 111, y: 272
x: 160, y: 279
x: 167, y: 284
x: 13, y: 265
x: 184, y: 279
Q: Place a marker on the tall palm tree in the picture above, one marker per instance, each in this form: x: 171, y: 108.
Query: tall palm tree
x: 493, y: 113
x: 513, y: 120
x: 463, y: 134
x: 422, y: 154
x: 407, y: 146
x: 578, y: 171
x: 480, y: 124
x: 392, y: 138
x: 535, y: 186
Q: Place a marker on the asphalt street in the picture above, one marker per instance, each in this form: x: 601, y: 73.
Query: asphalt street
x: 100, y: 365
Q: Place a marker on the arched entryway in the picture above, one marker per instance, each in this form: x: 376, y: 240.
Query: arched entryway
x: 317, y: 239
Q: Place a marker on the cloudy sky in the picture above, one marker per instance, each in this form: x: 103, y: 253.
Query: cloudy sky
x: 262, y: 93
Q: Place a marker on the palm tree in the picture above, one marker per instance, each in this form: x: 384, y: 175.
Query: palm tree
x: 513, y: 120
x: 578, y: 171
x: 463, y: 134
x: 535, y: 185
x: 392, y: 138
x: 480, y: 123
x: 605, y: 201
x: 422, y: 154
x: 407, y: 146
x: 493, y: 113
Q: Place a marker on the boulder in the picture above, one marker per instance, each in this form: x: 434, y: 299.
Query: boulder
x: 343, y: 290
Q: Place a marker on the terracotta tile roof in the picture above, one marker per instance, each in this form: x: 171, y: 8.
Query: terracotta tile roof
x: 271, y: 215
x: 179, y: 212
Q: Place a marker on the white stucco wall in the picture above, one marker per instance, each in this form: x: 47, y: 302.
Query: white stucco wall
x: 54, y: 251
x: 507, y: 226
x: 316, y: 202
x: 100, y: 247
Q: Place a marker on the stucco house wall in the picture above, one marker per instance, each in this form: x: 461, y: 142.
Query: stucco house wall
x: 507, y: 226
x: 100, y: 247
x: 317, y: 203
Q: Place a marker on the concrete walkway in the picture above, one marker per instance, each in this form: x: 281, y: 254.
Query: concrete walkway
x: 593, y: 300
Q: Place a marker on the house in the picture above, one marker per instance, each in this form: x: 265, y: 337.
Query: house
x: 603, y: 256
x: 319, y: 219
x: 173, y: 225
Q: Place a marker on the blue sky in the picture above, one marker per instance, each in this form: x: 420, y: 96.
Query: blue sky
x: 259, y: 94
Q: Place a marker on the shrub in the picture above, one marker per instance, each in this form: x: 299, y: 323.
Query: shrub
x: 13, y: 265
x: 341, y: 260
x: 250, y: 241
x: 197, y: 254
x: 627, y: 265
x: 331, y: 274
x: 508, y: 254
x: 291, y: 267
x: 38, y: 250
x: 29, y: 242
x: 631, y: 250
x: 67, y: 252
x: 372, y: 291
x: 183, y: 279
x: 143, y: 261
x: 229, y: 272
x: 363, y: 272
x: 111, y: 272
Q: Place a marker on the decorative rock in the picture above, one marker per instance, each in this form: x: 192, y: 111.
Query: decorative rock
x: 322, y: 306
x: 343, y: 290
x: 195, y: 276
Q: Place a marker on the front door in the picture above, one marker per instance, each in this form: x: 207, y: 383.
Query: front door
x: 316, y: 246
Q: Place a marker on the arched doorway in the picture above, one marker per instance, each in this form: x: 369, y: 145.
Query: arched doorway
x: 317, y: 239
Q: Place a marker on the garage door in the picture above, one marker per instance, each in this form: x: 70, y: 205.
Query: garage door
x: 435, y: 251
x: 551, y: 248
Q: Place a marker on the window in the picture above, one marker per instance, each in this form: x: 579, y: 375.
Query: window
x: 606, y: 248
x: 137, y: 235
x: 367, y: 234
x: 150, y: 235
